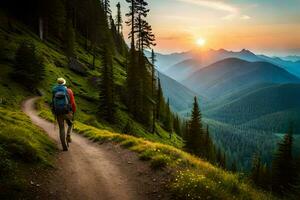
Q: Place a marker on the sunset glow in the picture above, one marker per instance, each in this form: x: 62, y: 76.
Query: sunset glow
x: 200, y: 42
x: 271, y: 27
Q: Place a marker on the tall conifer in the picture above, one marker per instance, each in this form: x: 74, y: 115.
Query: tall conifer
x: 284, y: 172
x: 195, y: 132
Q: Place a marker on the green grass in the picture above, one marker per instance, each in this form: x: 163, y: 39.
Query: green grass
x: 193, y: 178
x: 85, y: 90
x: 22, y: 146
x: 137, y: 129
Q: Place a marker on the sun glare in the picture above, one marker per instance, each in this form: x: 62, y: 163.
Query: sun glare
x: 200, y: 42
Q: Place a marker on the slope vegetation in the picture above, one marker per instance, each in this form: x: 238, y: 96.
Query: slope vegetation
x: 274, y: 104
x: 190, y: 177
x: 23, y: 148
x: 85, y: 86
x: 233, y: 74
x: 180, y: 97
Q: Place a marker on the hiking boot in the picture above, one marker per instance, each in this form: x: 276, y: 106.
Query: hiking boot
x: 69, y: 139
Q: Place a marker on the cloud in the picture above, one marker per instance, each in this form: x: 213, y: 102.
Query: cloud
x: 245, y: 17
x: 218, y: 5
x: 228, y: 17
x: 169, y: 38
x: 232, y: 11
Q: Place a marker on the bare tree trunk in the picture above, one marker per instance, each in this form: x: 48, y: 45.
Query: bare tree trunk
x: 132, y: 24
x: 41, y: 28
x: 153, y: 119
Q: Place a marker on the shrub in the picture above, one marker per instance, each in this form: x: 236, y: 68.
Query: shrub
x: 159, y: 161
x: 28, y: 67
x: 18, y: 147
x: 146, y: 155
x: 5, y: 164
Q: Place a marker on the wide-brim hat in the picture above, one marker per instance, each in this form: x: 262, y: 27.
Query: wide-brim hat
x: 61, y: 81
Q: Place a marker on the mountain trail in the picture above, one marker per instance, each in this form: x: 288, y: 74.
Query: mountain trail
x: 92, y: 171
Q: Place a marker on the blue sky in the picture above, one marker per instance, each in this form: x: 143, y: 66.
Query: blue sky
x: 263, y: 26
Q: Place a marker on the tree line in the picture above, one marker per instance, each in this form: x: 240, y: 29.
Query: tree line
x: 145, y: 99
x: 69, y: 24
x: 90, y: 23
x: 283, y: 176
x: 198, y: 140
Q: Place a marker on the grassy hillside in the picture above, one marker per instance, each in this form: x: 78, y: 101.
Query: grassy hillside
x: 191, y: 177
x: 27, y: 146
x: 84, y: 86
x: 23, y: 148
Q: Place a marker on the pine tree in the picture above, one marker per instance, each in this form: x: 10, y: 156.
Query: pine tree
x: 168, y: 119
x: 208, y: 151
x: 134, y: 87
x: 145, y: 78
x: 146, y: 38
x: 185, y: 132
x: 132, y: 15
x: 159, y: 102
x: 69, y: 39
x: 298, y: 178
x: 265, y: 177
x: 220, y: 158
x: 29, y: 69
x: 234, y: 167
x: 153, y: 60
x: 194, y: 139
x: 141, y: 12
x: 139, y: 76
x: 107, y: 10
x: 119, y: 20
x: 56, y: 17
x: 223, y: 162
x: 107, y: 98
x: 176, y: 125
x: 256, y: 169
x: 284, y: 172
x: 153, y: 88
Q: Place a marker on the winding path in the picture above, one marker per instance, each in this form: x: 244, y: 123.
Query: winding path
x: 92, y: 171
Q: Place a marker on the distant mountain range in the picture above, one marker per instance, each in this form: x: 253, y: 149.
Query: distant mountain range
x: 163, y: 61
x: 247, y: 100
x: 240, y: 89
x: 180, y: 65
x: 291, y: 58
x: 232, y: 75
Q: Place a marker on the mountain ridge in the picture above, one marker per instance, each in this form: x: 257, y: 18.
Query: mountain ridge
x: 204, y: 58
x: 233, y: 73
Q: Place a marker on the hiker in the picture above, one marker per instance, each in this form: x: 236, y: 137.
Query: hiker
x: 64, y: 108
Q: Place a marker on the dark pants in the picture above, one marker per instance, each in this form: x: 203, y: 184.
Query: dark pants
x: 61, y: 123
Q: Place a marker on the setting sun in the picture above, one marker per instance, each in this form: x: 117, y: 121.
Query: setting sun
x: 200, y: 42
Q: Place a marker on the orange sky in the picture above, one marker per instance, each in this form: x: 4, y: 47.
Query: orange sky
x: 263, y: 26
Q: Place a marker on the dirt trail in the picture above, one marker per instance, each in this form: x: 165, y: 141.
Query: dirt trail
x: 93, y: 171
